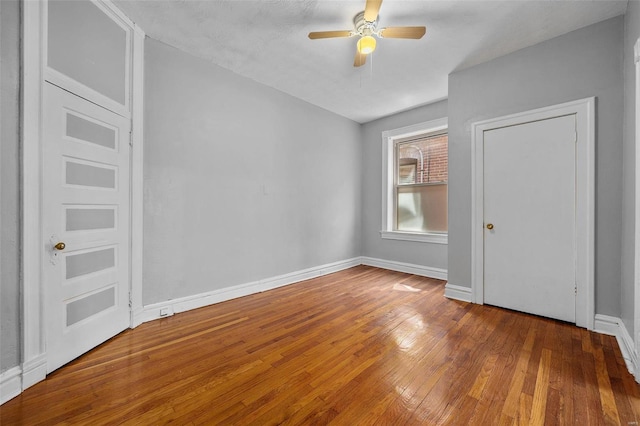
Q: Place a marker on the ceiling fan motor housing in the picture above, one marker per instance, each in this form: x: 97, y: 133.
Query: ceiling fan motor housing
x: 364, y: 27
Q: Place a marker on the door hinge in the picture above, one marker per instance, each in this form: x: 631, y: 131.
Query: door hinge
x: 130, y: 301
x: 575, y: 137
x: 575, y: 290
x: 131, y: 137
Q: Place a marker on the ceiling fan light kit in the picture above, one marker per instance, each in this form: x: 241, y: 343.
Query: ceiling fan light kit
x: 365, y: 24
x: 366, y: 45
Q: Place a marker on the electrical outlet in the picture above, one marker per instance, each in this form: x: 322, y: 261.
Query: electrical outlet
x: 164, y: 312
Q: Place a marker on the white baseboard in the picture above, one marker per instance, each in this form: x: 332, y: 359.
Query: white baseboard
x: 409, y: 268
x: 168, y: 308
x: 457, y: 292
x: 136, y: 316
x: 18, y: 378
x: 605, y: 324
x: 10, y: 384
x: 614, y: 326
x: 183, y: 304
x: 34, y: 371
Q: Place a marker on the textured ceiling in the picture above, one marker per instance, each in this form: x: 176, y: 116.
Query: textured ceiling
x: 267, y: 42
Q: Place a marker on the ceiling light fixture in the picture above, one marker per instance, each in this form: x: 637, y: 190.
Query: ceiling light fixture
x: 366, y: 45
x: 365, y: 26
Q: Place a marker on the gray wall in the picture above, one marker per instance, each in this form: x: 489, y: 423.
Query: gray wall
x: 631, y: 34
x: 9, y: 185
x: 580, y: 64
x: 424, y: 254
x: 241, y: 182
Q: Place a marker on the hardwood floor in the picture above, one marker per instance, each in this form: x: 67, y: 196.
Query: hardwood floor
x: 363, y: 346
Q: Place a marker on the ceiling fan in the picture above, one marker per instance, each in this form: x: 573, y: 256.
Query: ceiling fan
x: 365, y: 24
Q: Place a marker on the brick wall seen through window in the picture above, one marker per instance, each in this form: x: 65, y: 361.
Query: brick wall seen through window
x: 423, y: 160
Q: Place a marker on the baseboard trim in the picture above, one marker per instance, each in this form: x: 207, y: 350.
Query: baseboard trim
x: 15, y: 380
x: 10, y: 384
x: 136, y: 316
x: 614, y: 326
x: 457, y: 292
x: 34, y: 371
x: 168, y: 308
x: 409, y: 268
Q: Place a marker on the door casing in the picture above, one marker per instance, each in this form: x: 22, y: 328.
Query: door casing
x: 34, y: 361
x: 636, y: 329
x: 584, y: 110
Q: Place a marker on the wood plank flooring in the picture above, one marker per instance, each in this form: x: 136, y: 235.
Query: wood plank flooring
x: 363, y: 346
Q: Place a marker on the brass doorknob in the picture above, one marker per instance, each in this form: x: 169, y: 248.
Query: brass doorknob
x: 60, y: 246
x: 489, y: 225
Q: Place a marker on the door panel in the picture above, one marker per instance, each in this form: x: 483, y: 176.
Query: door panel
x: 85, y: 192
x: 529, y: 198
x: 85, y: 130
x: 89, y: 218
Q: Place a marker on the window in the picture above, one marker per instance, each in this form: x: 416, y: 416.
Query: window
x: 415, y: 165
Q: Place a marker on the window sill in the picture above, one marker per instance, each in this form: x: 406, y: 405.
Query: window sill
x: 412, y: 236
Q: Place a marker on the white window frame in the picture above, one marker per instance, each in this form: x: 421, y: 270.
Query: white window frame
x: 389, y: 139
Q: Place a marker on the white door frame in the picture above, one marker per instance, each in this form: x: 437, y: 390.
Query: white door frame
x: 584, y: 110
x: 636, y: 330
x: 34, y: 365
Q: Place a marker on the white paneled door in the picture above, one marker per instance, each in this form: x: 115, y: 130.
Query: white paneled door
x: 85, y: 224
x: 530, y: 217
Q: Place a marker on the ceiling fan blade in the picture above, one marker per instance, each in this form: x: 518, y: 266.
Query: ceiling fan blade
x: 371, y: 10
x: 329, y: 34
x: 403, y: 32
x: 359, y: 60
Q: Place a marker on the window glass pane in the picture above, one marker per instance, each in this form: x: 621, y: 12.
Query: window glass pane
x: 90, y: 305
x: 84, y: 219
x: 85, y: 130
x: 88, y: 46
x: 421, y: 165
x: 87, y: 263
x: 422, y: 208
x: 428, y: 158
x: 86, y: 175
